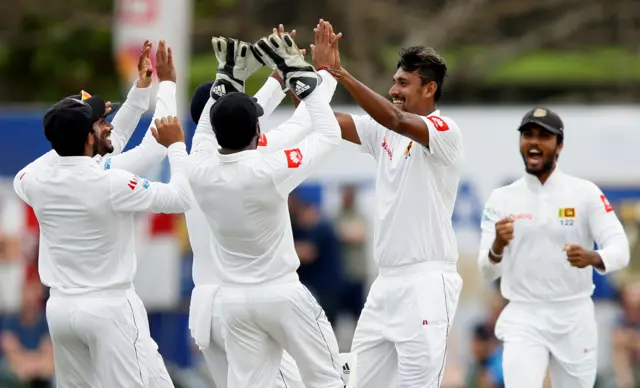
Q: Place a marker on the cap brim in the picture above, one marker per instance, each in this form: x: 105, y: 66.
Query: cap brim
x: 544, y: 126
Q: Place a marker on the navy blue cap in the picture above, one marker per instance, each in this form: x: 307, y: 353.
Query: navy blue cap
x: 544, y: 118
x: 235, y: 111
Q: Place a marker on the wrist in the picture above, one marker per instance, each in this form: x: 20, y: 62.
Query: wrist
x: 596, y: 260
x: 496, y: 252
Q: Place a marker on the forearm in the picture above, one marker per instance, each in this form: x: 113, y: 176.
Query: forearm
x: 181, y: 197
x: 322, y: 118
x: 270, y: 96
x: 127, y: 118
x: 489, y: 269
x: 615, y: 255
x: 377, y: 106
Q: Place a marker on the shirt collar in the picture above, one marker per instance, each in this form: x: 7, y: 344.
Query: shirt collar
x: 534, y: 183
x: 77, y: 161
x: 434, y: 113
x: 237, y: 156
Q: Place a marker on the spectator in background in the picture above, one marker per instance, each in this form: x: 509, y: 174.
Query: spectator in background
x: 486, y: 349
x: 25, y: 340
x: 12, y: 265
x: 626, y: 339
x: 351, y: 227
x: 319, y: 252
x: 486, y: 370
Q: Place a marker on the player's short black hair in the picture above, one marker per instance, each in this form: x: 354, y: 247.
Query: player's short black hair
x: 234, y: 119
x: 427, y: 62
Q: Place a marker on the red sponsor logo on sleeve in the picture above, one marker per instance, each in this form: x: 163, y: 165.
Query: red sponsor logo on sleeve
x: 439, y: 123
x: 133, y: 182
x: 262, y: 140
x: 607, y: 206
x: 294, y: 158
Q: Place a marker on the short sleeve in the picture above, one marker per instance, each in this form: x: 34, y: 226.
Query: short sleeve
x: 370, y: 134
x: 445, y: 140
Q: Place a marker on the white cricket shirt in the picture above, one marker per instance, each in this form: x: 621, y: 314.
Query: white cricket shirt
x: 565, y: 210
x: 148, y: 154
x: 416, y: 189
x: 244, y: 196
x: 86, y: 217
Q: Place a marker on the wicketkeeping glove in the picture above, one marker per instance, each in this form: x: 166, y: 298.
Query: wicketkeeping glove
x: 283, y: 54
x: 236, y: 63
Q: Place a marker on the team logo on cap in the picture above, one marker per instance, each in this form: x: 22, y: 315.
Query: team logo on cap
x: 84, y: 95
x: 539, y: 112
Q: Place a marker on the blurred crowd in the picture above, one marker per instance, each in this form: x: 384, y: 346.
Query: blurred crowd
x: 335, y: 265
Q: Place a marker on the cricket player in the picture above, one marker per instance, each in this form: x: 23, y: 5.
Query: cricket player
x: 73, y: 364
x: 538, y: 234
x: 401, y: 336
x: 204, y: 318
x: 243, y: 194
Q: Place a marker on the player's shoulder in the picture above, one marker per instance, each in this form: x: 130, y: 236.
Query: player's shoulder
x: 441, y: 122
x: 508, y: 190
x: 580, y: 185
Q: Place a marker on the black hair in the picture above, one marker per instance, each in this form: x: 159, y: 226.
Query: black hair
x: 237, y: 135
x: 427, y: 62
x: 69, y: 146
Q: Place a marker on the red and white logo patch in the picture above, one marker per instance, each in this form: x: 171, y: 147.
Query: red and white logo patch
x: 607, y: 206
x: 133, y: 182
x: 294, y: 158
x: 262, y: 140
x: 440, y: 124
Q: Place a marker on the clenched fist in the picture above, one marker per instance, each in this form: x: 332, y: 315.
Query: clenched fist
x: 504, y: 234
x: 579, y: 257
x: 167, y: 131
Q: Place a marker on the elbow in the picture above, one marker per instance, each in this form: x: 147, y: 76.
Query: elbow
x: 399, y: 121
x: 488, y: 270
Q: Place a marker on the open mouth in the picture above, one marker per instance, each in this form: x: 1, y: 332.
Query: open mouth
x: 534, y: 156
x: 397, y: 101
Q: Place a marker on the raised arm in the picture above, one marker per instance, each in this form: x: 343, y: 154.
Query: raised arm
x: 297, y: 127
x: 127, y: 118
x: 290, y: 167
x: 236, y: 63
x: 130, y: 193
x: 149, y: 154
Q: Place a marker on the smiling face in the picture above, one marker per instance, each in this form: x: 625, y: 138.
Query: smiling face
x: 102, y: 132
x: 409, y: 92
x: 539, y: 149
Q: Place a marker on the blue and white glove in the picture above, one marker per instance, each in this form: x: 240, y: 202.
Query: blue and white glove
x: 236, y: 63
x: 282, y: 55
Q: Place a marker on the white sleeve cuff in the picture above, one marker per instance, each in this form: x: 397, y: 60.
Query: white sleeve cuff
x: 138, y: 98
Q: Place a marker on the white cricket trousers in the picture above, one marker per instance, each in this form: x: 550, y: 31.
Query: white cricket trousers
x: 102, y: 339
x: 261, y: 321
x: 561, y: 337
x: 205, y: 323
x: 401, y: 336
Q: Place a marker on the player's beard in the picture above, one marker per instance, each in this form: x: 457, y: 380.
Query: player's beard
x: 96, y: 146
x: 547, y: 165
